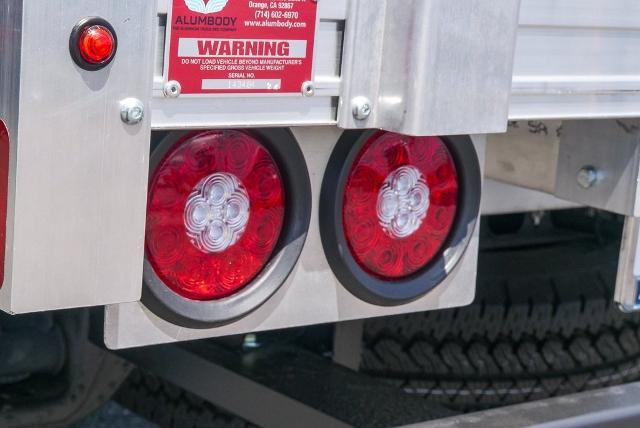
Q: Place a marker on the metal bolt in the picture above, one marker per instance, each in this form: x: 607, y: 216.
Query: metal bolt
x: 361, y: 107
x: 131, y: 111
x: 172, y: 89
x: 587, y: 177
x: 308, y: 89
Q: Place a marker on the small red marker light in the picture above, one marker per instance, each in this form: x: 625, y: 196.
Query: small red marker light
x: 93, y: 44
x: 96, y: 44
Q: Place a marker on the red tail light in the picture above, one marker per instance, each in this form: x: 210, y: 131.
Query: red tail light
x: 398, y: 212
x: 399, y: 203
x: 215, y: 212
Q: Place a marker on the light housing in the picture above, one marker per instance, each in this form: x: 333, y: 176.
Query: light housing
x: 228, y: 213
x: 383, y: 241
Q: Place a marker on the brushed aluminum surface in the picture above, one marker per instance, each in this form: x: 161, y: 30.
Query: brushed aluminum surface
x: 10, y: 46
x: 439, y: 67
x: 572, y: 59
x: 553, y: 156
x: 577, y: 59
x: 78, y: 174
x: 312, y: 294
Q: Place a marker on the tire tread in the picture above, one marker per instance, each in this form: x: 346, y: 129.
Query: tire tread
x: 549, y: 331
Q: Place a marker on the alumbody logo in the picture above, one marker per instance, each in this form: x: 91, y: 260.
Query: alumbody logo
x: 212, y: 6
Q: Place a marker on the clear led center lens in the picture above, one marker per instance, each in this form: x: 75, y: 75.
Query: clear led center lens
x: 403, y: 202
x: 217, y: 213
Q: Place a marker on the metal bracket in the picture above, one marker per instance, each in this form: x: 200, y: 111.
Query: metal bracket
x: 628, y: 279
x: 594, y: 163
x: 347, y: 343
x: 611, y: 150
x: 435, y: 67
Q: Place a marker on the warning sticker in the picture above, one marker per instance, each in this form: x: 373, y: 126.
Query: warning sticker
x: 241, y: 46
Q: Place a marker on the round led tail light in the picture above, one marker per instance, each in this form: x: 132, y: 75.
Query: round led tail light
x: 219, y: 222
x: 399, y: 203
x: 93, y: 44
x: 397, y: 212
x: 215, y: 211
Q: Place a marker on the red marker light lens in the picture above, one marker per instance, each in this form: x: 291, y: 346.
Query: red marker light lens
x: 215, y: 213
x: 399, y: 203
x: 96, y: 44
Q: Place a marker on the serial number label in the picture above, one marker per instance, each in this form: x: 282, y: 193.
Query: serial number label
x: 241, y: 46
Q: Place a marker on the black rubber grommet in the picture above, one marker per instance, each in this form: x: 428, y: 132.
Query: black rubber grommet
x: 74, y: 39
x: 165, y: 303
x: 371, y: 288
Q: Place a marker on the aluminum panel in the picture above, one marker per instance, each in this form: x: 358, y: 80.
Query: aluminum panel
x: 10, y: 47
x: 312, y: 294
x: 593, y: 163
x: 573, y: 59
x: 576, y: 59
x: 526, y: 155
x: 78, y: 173
x: 429, y: 68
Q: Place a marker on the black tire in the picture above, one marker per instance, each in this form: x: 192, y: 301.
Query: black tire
x: 543, y: 324
x: 169, y: 406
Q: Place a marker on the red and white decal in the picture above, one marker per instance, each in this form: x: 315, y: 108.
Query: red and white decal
x: 241, y: 46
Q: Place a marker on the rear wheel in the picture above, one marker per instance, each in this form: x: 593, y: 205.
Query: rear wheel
x: 543, y: 324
